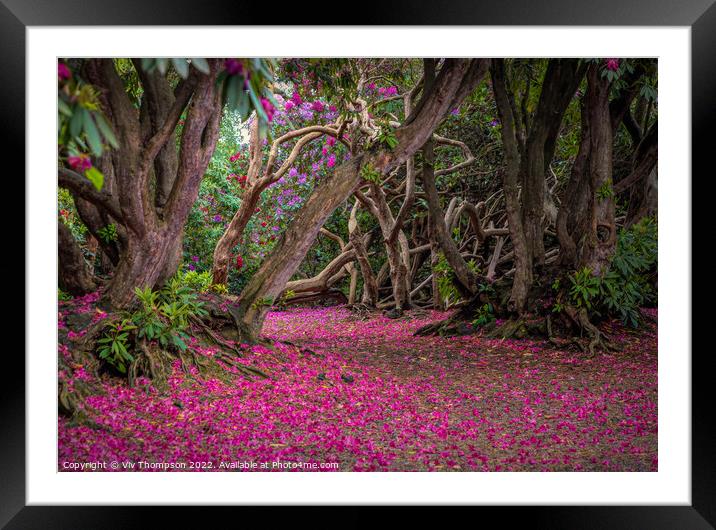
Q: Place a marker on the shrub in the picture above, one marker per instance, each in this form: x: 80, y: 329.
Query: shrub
x: 196, y: 281
x: 628, y: 284
x: 162, y: 316
x: 62, y: 296
x: 446, y: 279
x: 484, y: 315
x: 113, y: 347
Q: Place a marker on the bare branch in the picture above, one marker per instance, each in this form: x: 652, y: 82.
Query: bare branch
x: 83, y: 188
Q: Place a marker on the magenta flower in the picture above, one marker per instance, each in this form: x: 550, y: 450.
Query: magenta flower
x: 289, y: 105
x: 63, y: 72
x: 296, y: 98
x: 317, y: 106
x: 217, y: 218
x: 80, y: 163
x: 269, y: 109
x: 612, y: 64
x: 233, y: 67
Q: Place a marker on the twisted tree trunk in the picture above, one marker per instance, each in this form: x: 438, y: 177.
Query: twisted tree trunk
x: 154, y: 184
x: 370, y: 286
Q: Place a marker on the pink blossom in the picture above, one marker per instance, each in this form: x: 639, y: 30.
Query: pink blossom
x: 268, y: 107
x: 234, y: 67
x: 63, y: 72
x: 612, y: 64
x: 80, y: 163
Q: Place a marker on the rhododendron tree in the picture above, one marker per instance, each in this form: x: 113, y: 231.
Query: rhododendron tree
x: 147, y: 186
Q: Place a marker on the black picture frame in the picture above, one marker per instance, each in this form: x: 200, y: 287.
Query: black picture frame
x: 16, y: 15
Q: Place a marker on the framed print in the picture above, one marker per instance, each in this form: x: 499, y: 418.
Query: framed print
x: 419, y: 258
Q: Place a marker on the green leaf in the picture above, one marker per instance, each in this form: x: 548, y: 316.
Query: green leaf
x: 93, y: 137
x: 243, y: 105
x: 180, y: 343
x: 106, y: 130
x: 258, y: 106
x: 200, y: 64
x: 76, y: 121
x: 231, y: 92
x: 181, y: 66
x: 96, y: 177
x: 162, y: 65
x: 64, y: 108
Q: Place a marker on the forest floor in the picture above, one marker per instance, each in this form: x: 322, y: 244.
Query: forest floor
x: 369, y: 396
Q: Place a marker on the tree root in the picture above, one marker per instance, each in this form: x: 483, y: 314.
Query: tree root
x: 215, y: 337
x: 153, y: 363
x: 449, y: 327
x: 595, y: 340
x: 362, y: 311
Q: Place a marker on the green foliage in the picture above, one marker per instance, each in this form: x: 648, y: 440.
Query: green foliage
x: 446, y: 279
x: 201, y: 282
x: 81, y: 122
x: 68, y: 214
x: 220, y: 288
x: 95, y: 176
x: 63, y: 296
x: 648, y: 91
x: 247, y: 90
x: 162, y: 316
x: 81, y: 125
x: 262, y: 302
x: 108, y: 233
x: 113, y: 346
x: 287, y: 295
x: 605, y: 191
x: 369, y: 173
x: 446, y: 286
x: 387, y: 137
x: 584, y: 288
x: 196, y: 281
x: 180, y: 64
x: 628, y: 283
x: 484, y: 315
